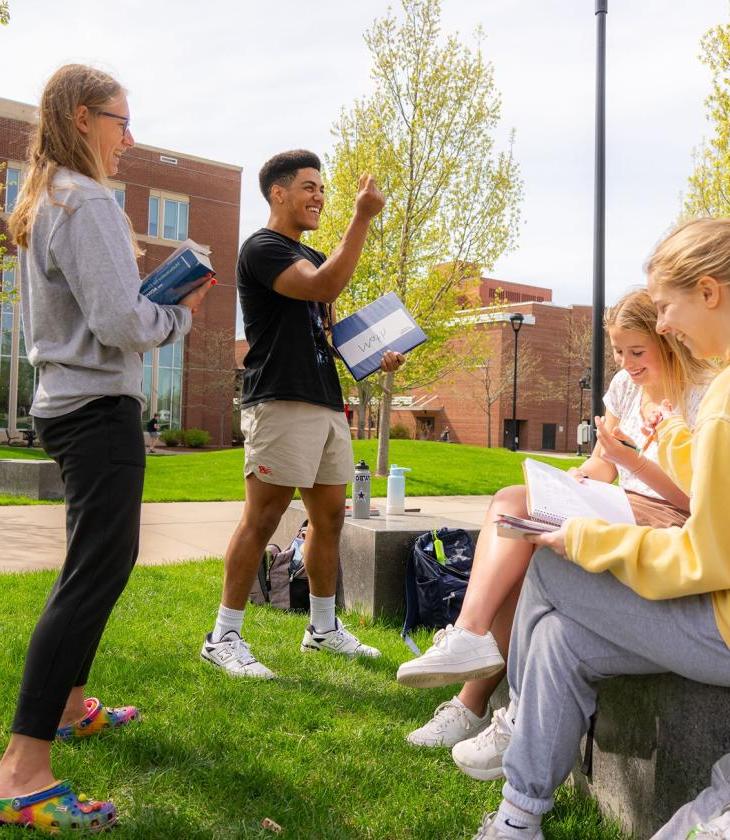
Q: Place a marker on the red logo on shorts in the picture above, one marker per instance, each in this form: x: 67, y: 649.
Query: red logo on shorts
x: 265, y: 470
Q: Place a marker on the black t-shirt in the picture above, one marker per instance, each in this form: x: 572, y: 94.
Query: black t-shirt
x: 289, y: 357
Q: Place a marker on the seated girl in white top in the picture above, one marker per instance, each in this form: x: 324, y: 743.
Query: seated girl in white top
x: 652, y: 368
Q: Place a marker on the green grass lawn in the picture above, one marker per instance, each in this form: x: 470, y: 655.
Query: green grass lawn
x: 438, y: 469
x: 321, y: 750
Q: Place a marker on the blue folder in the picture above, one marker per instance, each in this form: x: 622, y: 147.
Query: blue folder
x: 385, y: 324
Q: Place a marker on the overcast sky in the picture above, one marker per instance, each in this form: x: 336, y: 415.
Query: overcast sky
x: 238, y: 80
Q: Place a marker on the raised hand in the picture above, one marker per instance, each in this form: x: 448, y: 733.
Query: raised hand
x: 616, y: 447
x: 369, y: 201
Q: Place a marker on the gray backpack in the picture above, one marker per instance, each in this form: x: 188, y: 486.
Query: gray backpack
x: 281, y: 580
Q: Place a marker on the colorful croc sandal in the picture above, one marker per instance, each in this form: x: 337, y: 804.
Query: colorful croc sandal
x: 55, y: 809
x: 97, y: 719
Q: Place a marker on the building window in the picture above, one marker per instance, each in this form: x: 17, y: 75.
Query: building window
x: 119, y: 195
x: 14, y: 362
x: 162, y: 384
x: 168, y: 217
x: 12, y: 188
x: 154, y: 214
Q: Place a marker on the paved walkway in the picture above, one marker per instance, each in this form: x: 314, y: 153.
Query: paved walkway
x: 33, y: 536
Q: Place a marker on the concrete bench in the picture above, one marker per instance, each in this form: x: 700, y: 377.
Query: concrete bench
x: 38, y: 479
x: 373, y: 554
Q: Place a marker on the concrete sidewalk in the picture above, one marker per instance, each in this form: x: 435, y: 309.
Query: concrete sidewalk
x: 34, y: 536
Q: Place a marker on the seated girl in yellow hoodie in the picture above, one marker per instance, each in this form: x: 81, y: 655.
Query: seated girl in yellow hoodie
x: 607, y: 599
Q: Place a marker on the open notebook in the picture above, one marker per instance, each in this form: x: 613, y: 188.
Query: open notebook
x: 553, y: 496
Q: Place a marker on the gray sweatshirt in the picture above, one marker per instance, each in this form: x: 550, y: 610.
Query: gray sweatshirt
x: 84, y: 321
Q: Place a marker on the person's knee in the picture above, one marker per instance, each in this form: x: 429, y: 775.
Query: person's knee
x: 328, y: 523
x: 511, y: 500
x: 260, y: 520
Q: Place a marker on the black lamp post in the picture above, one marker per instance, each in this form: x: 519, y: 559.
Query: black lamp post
x: 599, y: 212
x: 584, y: 383
x: 516, y: 321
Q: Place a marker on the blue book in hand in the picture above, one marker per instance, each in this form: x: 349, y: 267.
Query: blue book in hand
x: 385, y: 324
x: 184, y: 270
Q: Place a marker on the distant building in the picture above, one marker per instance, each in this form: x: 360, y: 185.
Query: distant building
x: 474, y: 397
x: 169, y: 197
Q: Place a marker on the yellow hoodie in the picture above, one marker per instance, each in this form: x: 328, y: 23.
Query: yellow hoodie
x: 671, y: 562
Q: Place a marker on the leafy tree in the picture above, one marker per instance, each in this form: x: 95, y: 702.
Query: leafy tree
x: 426, y: 132
x: 709, y: 184
x: 4, y: 12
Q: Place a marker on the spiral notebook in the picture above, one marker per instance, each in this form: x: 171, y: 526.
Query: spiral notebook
x: 554, y: 496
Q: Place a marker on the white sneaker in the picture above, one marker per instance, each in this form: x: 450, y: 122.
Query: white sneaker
x: 451, y: 722
x: 489, y: 831
x: 716, y: 829
x: 481, y: 757
x: 339, y: 640
x: 457, y: 655
x: 234, y: 656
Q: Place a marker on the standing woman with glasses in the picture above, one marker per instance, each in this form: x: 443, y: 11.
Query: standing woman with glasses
x: 86, y: 326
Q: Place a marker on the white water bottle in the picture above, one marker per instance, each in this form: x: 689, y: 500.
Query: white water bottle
x: 395, y: 502
x: 361, y: 492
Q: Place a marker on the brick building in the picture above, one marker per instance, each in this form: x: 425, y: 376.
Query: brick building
x: 169, y: 196
x: 474, y: 399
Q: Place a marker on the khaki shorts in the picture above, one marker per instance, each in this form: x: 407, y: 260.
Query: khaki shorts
x: 297, y: 444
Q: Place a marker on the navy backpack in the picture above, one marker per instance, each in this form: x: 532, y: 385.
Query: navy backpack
x: 437, y: 574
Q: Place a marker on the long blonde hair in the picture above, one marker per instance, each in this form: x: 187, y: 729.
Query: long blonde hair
x: 680, y: 370
x: 56, y: 142
x: 695, y: 249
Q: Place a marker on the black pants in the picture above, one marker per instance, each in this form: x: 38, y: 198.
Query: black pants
x: 100, y: 450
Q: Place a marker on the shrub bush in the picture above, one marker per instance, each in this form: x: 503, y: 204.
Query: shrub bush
x: 399, y: 432
x: 196, y: 438
x: 171, y: 437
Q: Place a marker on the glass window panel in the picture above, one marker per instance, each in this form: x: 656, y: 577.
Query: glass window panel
x: 176, y: 398
x: 147, y: 359
x: 169, y: 230
x: 12, y: 188
x: 165, y: 357
x: 119, y: 196
x: 164, y: 396
x: 182, y: 227
x: 154, y: 215
x: 4, y: 390
x: 26, y: 389
x: 8, y: 279
x: 6, y: 340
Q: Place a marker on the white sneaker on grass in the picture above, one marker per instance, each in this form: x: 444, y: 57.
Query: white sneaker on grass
x: 234, y: 656
x: 457, y: 655
x: 489, y: 831
x: 339, y: 640
x: 481, y: 757
x: 451, y: 722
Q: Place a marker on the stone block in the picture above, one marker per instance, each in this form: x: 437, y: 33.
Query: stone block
x: 38, y: 479
x: 373, y: 554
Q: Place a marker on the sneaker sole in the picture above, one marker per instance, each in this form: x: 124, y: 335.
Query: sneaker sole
x: 238, y: 676
x: 435, y: 679
x: 479, y: 774
x: 314, y: 649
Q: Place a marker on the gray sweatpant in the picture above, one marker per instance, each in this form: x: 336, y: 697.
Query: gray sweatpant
x: 572, y: 629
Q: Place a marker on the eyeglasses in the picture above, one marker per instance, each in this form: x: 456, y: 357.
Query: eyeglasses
x: 125, y: 120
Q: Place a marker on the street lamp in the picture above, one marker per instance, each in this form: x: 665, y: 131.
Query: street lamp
x: 516, y: 321
x: 584, y: 383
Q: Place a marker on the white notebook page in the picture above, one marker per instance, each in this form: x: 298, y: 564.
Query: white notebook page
x: 554, y: 496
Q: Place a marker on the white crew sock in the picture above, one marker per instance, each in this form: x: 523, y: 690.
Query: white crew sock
x: 227, y: 620
x: 514, y: 822
x: 322, y: 613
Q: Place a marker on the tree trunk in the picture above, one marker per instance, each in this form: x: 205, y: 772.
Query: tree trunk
x: 489, y: 427
x: 362, y: 408
x: 384, y: 425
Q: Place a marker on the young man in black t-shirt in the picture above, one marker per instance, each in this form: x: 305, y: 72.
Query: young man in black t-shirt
x: 293, y: 420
